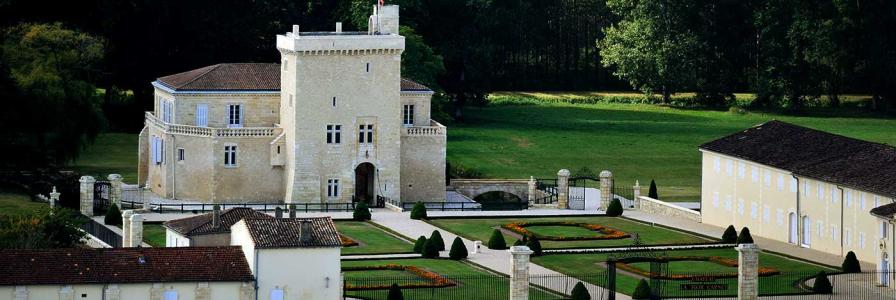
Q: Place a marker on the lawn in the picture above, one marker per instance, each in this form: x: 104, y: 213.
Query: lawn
x: 154, y: 234
x: 481, y: 230
x: 792, y: 271
x: 472, y: 282
x: 635, y: 141
x: 371, y: 239
x: 17, y: 203
x: 110, y: 153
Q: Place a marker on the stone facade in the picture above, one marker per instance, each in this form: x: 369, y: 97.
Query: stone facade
x: 563, y: 189
x: 653, y: 206
x: 606, y: 189
x: 519, y: 272
x: 747, y: 272
x: 86, y: 195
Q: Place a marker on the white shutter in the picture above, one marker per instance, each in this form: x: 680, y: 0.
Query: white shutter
x: 242, y: 116
x: 152, y: 148
x: 202, y: 115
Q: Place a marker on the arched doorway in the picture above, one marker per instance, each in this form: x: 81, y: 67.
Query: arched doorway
x: 807, y: 231
x: 365, y: 174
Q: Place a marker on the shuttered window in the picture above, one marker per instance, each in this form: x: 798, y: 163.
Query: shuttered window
x: 202, y: 114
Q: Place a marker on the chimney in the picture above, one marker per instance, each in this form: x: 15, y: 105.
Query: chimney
x: 295, y: 30
x: 338, y: 26
x: 305, y: 231
x: 216, y: 216
x: 384, y: 20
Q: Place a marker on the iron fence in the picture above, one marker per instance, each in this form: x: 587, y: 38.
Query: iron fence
x: 102, y: 232
x: 466, y: 287
x: 467, y: 206
x: 546, y: 191
x: 267, y: 207
x: 625, y: 195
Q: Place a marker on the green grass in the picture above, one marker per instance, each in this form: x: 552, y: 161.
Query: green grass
x: 17, y: 203
x: 110, y: 153
x: 154, y: 234
x: 689, y: 266
x: 481, y: 230
x: 472, y: 282
x: 635, y: 141
x: 792, y: 271
x: 372, y: 239
x: 562, y: 231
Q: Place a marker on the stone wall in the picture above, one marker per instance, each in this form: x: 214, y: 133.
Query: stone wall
x: 423, y: 168
x: 475, y: 187
x: 650, y: 205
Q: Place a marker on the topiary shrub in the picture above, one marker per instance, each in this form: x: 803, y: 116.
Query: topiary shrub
x: 745, y: 237
x: 113, y: 216
x: 430, y: 249
x: 436, y: 238
x: 615, y: 208
x: 419, y: 211
x: 730, y: 235
x: 418, y: 246
x: 642, y: 291
x: 362, y: 212
x: 579, y: 292
x: 395, y: 293
x: 535, y: 246
x: 496, y: 241
x: 652, y: 192
x: 521, y: 242
x: 458, y: 250
x: 851, y: 263
x: 822, y: 285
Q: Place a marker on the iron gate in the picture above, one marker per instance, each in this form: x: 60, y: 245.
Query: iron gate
x: 545, y: 191
x: 101, y: 196
x: 578, y: 192
x: 659, y: 267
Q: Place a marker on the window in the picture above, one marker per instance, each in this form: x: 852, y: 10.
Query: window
x: 715, y: 199
x: 821, y: 191
x: 365, y: 134
x: 768, y: 179
x: 779, y: 218
x: 754, y: 210
x: 821, y: 229
x: 848, y: 198
x: 332, y: 188
x: 718, y: 164
x: 793, y: 185
x: 202, y: 114
x: 277, y: 294
x: 334, y: 134
x: 728, y: 203
x: 234, y: 115
x: 806, y: 188
x: 170, y: 295
x: 876, y: 201
x: 741, y: 170
x: 408, y: 115
x: 834, y: 195
x: 834, y: 231
x: 754, y: 173
x: 368, y: 67
x: 848, y: 237
x: 807, y: 231
x: 862, y: 240
x: 883, y: 229
x: 230, y: 156
x: 740, y: 206
x: 780, y: 182
x: 729, y: 167
x: 863, y: 200
x: 180, y: 154
x: 166, y: 107
x: 766, y: 214
x: 157, y: 147
x: 334, y: 101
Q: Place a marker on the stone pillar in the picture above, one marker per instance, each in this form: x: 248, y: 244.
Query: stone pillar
x: 54, y: 198
x: 563, y: 189
x: 519, y: 272
x: 531, y: 189
x: 247, y: 292
x: 147, y: 200
x: 20, y: 293
x: 203, y: 292
x: 292, y: 211
x: 636, y: 193
x: 747, y: 272
x: 112, y: 292
x: 136, y: 231
x: 87, y: 195
x: 126, y: 227
x: 606, y: 189
x: 66, y: 293
x: 476, y: 246
x: 155, y: 293
x: 115, y: 190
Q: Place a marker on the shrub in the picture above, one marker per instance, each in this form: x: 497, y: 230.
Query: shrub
x: 395, y: 293
x: 579, y: 292
x: 521, y: 242
x: 642, y: 291
x: 113, y: 215
x: 730, y: 235
x: 822, y: 284
x: 430, y: 249
x: 496, y: 241
x: 436, y: 237
x: 419, y: 211
x: 535, y: 246
x: 652, y: 192
x: 362, y: 212
x: 745, y: 237
x: 851, y: 263
x: 418, y: 246
x: 458, y: 250
x: 615, y: 208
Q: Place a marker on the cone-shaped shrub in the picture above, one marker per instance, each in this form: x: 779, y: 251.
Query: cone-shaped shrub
x: 822, y: 284
x: 521, y: 242
x: 362, y: 212
x: 395, y: 293
x: 535, y: 246
x: 615, y: 208
x: 579, y: 292
x: 745, y: 237
x: 436, y: 238
x: 851, y: 263
x: 642, y: 291
x: 419, y: 211
x: 496, y: 241
x: 418, y: 246
x: 430, y: 249
x: 730, y: 235
x: 652, y: 192
x: 113, y: 215
x: 458, y: 250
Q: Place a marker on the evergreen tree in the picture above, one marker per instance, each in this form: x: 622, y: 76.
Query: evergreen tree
x: 652, y: 193
x: 458, y: 250
x: 496, y: 241
x: 615, y: 208
x: 436, y: 238
x: 579, y: 292
x: 851, y: 263
x: 362, y: 212
x: 419, y: 211
x: 745, y: 237
x: 430, y: 249
x: 521, y: 242
x: 642, y: 291
x: 395, y: 293
x: 535, y: 246
x: 418, y: 246
x: 822, y: 284
x: 730, y: 235
x: 113, y: 216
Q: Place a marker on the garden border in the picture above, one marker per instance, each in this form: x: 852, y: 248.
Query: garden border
x: 609, y: 233
x: 436, y: 280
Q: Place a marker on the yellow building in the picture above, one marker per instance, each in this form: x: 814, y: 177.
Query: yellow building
x: 802, y: 186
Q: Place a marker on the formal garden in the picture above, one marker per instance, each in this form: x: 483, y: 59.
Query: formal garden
x: 361, y: 237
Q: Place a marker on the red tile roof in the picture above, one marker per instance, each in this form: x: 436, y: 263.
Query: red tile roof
x: 202, y: 224
x: 287, y: 233
x: 123, y: 265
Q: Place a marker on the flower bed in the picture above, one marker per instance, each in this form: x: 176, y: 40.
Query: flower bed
x: 435, y: 280
x: 730, y: 262
x: 608, y: 233
x: 347, y: 241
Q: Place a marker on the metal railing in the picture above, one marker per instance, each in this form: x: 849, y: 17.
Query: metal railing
x: 626, y: 195
x: 465, y: 287
x: 102, y: 232
x: 546, y: 191
x: 266, y: 207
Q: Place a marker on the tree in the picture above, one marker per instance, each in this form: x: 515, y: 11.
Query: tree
x: 430, y: 249
x: 395, y: 293
x: 642, y: 290
x: 496, y: 241
x: 652, y: 193
x: 744, y: 237
x: 362, y: 212
x: 615, y: 208
x: 730, y: 235
x: 458, y: 250
x: 419, y: 61
x: 436, y: 238
x: 420, y: 244
x: 44, y: 228
x: 851, y: 263
x: 535, y: 246
x: 419, y: 211
x: 113, y: 216
x: 822, y: 284
x: 579, y: 292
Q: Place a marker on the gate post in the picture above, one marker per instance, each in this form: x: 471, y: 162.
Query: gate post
x: 519, y: 272
x: 747, y: 272
x: 86, y: 192
x: 563, y: 189
x: 636, y: 194
x: 136, y: 231
x: 115, y: 189
x: 126, y: 227
x: 611, y: 280
x: 606, y: 189
x: 531, y: 189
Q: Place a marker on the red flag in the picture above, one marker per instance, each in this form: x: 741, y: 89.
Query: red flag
x: 381, y: 2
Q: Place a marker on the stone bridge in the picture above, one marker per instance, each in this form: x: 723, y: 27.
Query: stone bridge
x: 475, y: 187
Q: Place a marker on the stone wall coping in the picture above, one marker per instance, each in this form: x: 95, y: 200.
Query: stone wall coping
x: 651, y: 200
x: 474, y: 181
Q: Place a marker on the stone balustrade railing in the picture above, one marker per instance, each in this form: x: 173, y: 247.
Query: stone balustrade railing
x: 210, y: 131
x: 435, y: 129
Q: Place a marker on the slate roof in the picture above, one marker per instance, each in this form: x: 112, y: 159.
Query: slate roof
x: 886, y: 211
x: 242, y: 77
x: 202, y: 224
x: 123, y: 265
x: 286, y: 233
x: 815, y: 154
